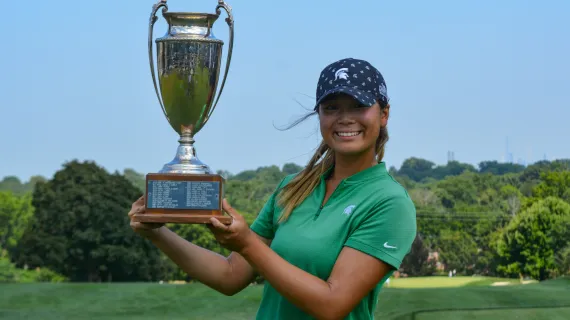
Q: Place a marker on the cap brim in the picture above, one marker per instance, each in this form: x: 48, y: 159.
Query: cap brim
x: 365, y: 98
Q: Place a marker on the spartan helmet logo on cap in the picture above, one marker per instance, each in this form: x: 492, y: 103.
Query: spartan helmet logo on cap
x: 341, y: 73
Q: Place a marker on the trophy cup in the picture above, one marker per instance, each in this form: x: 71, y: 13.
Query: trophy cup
x: 185, y: 190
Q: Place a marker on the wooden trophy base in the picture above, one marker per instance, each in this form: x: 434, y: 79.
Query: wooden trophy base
x: 183, y: 199
x: 180, y: 218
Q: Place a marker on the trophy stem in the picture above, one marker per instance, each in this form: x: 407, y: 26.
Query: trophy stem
x: 187, y: 140
x: 186, y: 160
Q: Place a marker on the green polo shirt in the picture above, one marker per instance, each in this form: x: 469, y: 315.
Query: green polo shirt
x: 369, y: 211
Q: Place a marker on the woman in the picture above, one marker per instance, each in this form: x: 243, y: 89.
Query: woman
x: 328, y: 237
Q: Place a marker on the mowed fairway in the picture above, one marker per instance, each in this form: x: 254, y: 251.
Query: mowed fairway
x: 447, y: 282
x: 195, y: 301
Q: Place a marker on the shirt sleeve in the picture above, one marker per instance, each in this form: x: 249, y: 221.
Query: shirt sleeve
x: 387, y: 231
x: 264, y: 224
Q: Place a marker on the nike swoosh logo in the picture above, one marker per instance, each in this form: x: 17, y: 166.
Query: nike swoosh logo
x: 387, y: 246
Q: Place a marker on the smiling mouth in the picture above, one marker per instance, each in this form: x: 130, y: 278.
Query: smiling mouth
x: 347, y: 133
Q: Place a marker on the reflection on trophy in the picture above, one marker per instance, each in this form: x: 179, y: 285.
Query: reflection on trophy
x: 188, y: 67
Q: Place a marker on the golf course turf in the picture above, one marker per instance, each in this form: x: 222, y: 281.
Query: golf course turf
x: 404, y: 299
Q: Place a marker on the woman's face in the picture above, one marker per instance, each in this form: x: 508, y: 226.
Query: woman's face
x: 348, y: 127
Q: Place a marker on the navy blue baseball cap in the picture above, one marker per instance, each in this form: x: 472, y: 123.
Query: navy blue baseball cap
x: 357, y: 78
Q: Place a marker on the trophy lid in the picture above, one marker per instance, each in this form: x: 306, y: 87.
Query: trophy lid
x: 194, y: 18
x: 190, y: 25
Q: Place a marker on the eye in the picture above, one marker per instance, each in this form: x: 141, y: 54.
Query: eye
x: 358, y: 107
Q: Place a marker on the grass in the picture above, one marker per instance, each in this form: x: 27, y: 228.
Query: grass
x: 504, y: 314
x: 124, y: 301
x: 402, y: 303
x: 195, y: 301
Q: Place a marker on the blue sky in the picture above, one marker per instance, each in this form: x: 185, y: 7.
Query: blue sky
x: 462, y: 76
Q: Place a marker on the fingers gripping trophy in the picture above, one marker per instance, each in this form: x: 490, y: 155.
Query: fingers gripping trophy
x: 189, y: 57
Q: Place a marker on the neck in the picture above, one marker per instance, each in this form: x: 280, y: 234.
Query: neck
x: 346, y: 166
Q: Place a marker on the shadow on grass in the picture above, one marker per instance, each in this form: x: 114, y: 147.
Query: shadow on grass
x: 413, y: 315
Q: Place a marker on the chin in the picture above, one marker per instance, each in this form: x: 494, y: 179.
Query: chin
x: 349, y: 150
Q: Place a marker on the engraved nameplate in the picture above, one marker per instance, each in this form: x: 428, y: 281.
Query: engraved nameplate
x: 183, y: 195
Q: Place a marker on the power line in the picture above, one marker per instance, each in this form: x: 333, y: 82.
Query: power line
x: 463, y: 218
x: 474, y: 214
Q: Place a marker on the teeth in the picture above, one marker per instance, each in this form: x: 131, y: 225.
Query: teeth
x: 348, y: 134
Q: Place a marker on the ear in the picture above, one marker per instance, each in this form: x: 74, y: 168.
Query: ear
x: 384, y: 115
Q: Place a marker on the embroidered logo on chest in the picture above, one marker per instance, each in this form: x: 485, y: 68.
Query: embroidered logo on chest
x: 348, y: 210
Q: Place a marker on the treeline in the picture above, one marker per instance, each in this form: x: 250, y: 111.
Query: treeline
x: 496, y: 219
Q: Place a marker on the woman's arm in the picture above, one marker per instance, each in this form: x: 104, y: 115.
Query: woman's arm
x: 228, y: 275
x: 353, y: 276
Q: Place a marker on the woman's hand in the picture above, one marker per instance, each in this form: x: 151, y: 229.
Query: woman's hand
x: 144, y: 229
x: 237, y: 235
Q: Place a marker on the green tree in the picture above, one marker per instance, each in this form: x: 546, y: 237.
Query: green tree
x: 291, y: 168
x: 416, y: 169
x: 458, y: 251
x: 563, y: 260
x: 533, y: 172
x: 452, y: 168
x: 17, y: 187
x: 15, y: 213
x: 425, y: 198
x: 554, y: 184
x: 81, y: 230
x: 417, y: 262
x: 511, y: 199
x: 225, y: 174
x: 137, y: 179
x: 458, y: 189
x: 249, y: 190
x: 496, y: 168
x: 529, y: 243
x: 485, y: 236
x: 10, y: 273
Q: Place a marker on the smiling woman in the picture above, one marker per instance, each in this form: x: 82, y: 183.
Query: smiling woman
x: 328, y: 237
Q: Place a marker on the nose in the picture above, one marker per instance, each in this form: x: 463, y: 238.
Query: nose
x: 345, y: 116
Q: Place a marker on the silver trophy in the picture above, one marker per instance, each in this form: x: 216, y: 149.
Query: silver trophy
x: 189, y: 56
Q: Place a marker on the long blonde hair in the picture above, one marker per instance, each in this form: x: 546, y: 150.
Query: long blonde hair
x: 301, y: 186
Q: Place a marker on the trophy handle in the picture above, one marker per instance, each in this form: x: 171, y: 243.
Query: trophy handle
x: 230, y: 21
x: 153, y: 18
